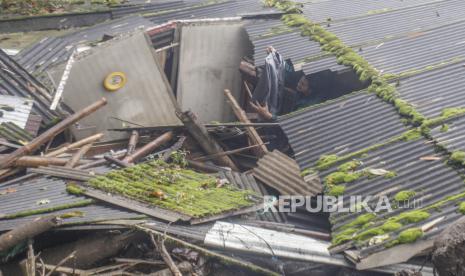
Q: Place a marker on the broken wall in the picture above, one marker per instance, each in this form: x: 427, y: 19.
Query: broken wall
x: 210, y: 54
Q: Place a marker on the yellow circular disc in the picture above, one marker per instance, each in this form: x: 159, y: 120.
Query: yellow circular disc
x: 114, y: 81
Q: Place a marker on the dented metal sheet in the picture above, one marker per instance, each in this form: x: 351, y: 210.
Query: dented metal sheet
x: 282, y: 173
x: 15, y: 110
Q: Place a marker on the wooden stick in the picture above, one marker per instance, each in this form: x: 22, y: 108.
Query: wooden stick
x: 50, y: 133
x: 208, y: 157
x: 36, y: 161
x: 27, y: 230
x: 70, y: 256
x: 31, y: 259
x: 254, y: 138
x: 77, y: 156
x: 201, y: 135
x: 159, y: 244
x: 78, y: 144
x: 133, y: 140
x: 117, y: 162
x: 150, y: 147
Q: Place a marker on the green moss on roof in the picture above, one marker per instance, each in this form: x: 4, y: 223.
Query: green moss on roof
x: 461, y: 208
x: 360, y: 221
x: 349, y: 166
x: 458, y: 157
x: 404, y: 195
x: 410, y: 235
x: 173, y: 187
x: 337, y: 190
x: 28, y: 213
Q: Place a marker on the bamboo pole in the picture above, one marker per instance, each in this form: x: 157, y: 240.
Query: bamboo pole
x: 77, y: 156
x: 254, y: 138
x: 78, y: 144
x: 143, y: 151
x: 50, y: 133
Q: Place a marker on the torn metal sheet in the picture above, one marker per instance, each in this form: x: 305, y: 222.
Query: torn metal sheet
x: 16, y: 81
x: 282, y: 173
x: 65, y: 173
x: 14, y: 133
x: 144, y: 98
x: 15, y: 110
x: 249, y: 239
x: 246, y: 181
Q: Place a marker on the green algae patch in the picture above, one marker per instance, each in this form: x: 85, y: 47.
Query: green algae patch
x: 77, y: 204
x: 458, y: 157
x: 172, y: 187
x: 410, y: 217
x: 325, y: 161
x: 410, y: 235
x: 337, y: 190
x: 404, y: 196
x: 349, y: 166
x: 74, y: 189
x: 461, y: 208
x: 360, y: 221
x: 444, y: 128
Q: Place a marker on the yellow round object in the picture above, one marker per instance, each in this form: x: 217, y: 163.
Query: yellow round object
x: 114, y: 81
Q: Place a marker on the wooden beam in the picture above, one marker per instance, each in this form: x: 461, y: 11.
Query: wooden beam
x: 201, y: 135
x: 254, y: 138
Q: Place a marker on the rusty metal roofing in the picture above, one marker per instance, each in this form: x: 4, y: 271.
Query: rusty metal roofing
x: 16, y: 81
x: 431, y: 179
x: 434, y: 90
x: 15, y: 110
x: 282, y: 173
x: 343, y: 125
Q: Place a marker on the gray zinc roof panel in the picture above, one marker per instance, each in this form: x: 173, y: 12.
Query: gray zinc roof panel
x: 343, y: 9
x: 418, y: 51
x: 431, y: 180
x: 290, y: 45
x: 322, y: 64
x: 454, y: 138
x: 28, y: 193
x: 229, y: 8
x: 433, y: 91
x: 257, y: 28
x: 381, y: 26
x: 343, y: 125
x: 52, y: 50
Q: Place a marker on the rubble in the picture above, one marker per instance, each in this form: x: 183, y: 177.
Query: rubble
x: 139, y: 146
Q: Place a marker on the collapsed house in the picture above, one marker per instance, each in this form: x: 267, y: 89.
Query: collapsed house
x: 389, y: 126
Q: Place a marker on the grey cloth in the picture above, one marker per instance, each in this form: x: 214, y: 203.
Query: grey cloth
x: 270, y: 85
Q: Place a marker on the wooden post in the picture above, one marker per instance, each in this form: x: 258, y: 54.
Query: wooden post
x: 78, y: 144
x: 50, y: 133
x: 201, y: 135
x: 132, y: 144
x: 254, y: 138
x: 78, y: 155
x: 37, y: 161
x: 149, y: 147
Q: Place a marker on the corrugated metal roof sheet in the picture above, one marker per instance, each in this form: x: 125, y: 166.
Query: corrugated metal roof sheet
x: 15, y: 110
x: 342, y: 9
x: 52, y: 50
x: 12, y: 132
x: 453, y: 139
x: 282, y: 173
x: 418, y: 51
x: 149, y: 7
x: 218, y: 9
x: 325, y: 63
x: 28, y: 192
x: 16, y: 81
x: 432, y: 180
x: 246, y: 181
x: 290, y: 45
x: 433, y: 91
x: 382, y: 26
x: 340, y: 126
